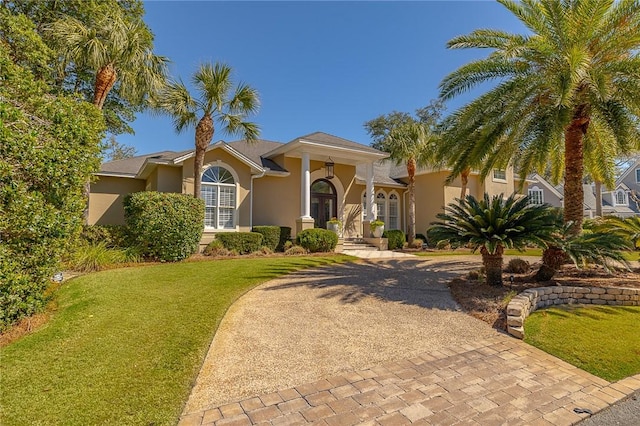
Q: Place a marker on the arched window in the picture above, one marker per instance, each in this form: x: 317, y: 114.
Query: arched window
x: 393, y: 212
x: 381, y: 206
x: 621, y: 198
x: 219, y: 194
x: 536, y: 196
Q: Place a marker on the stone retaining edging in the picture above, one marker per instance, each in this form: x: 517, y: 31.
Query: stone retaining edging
x: 522, y: 305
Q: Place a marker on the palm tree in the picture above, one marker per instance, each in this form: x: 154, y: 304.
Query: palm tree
x: 577, y: 71
x: 411, y: 143
x: 628, y: 228
x: 216, y: 102
x: 493, y: 224
x: 116, y: 49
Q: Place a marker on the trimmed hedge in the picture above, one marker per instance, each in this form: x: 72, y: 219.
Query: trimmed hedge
x: 317, y: 240
x: 270, y: 236
x: 395, y: 237
x: 285, y: 235
x: 165, y: 226
x: 241, y: 242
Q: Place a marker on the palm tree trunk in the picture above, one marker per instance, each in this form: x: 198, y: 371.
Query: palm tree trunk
x: 464, y: 178
x: 411, y: 228
x: 204, y: 134
x: 493, y: 265
x: 105, y: 79
x: 574, y: 169
x: 598, y: 186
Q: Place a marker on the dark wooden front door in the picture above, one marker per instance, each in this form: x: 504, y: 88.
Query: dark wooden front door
x: 324, y: 202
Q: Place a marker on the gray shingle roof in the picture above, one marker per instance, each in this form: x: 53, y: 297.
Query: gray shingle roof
x: 254, y: 151
x: 131, y: 166
x: 337, y: 141
x: 381, y: 174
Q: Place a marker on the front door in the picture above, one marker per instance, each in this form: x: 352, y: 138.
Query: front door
x: 324, y: 205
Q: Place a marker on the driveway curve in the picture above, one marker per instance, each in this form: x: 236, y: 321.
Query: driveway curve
x: 319, y: 322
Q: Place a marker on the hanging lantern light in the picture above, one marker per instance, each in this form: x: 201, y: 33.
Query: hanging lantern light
x: 328, y: 167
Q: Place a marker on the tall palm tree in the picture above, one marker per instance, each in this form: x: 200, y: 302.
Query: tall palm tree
x: 116, y: 49
x: 577, y: 71
x: 216, y: 101
x: 493, y: 224
x: 411, y: 143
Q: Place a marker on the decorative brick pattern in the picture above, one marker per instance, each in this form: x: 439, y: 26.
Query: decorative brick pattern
x: 497, y: 381
x: 532, y: 299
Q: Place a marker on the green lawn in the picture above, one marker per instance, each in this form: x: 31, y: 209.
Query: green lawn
x: 603, y: 340
x: 125, y: 345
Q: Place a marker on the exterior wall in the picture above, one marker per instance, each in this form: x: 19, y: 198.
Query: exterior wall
x: 152, y: 181
x: 106, y: 197
x: 430, y: 198
x: 494, y: 186
x: 169, y: 179
x: 224, y: 159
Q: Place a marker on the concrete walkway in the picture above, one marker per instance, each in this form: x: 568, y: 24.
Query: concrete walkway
x: 380, y: 254
x: 339, y: 347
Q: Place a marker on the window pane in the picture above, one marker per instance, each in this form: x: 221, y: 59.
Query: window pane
x: 500, y: 174
x: 209, y: 195
x: 210, y: 217
x: 226, y: 218
x: 393, y: 213
x: 322, y: 187
x: 227, y: 196
x: 217, y: 175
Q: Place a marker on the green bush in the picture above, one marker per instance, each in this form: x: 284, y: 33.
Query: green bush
x: 49, y: 148
x: 270, y: 236
x: 111, y: 235
x: 165, y: 226
x: 241, y: 242
x: 395, y: 237
x: 317, y: 240
x: 285, y: 235
x: 295, y: 251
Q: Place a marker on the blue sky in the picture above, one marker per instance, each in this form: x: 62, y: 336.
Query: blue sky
x: 318, y: 66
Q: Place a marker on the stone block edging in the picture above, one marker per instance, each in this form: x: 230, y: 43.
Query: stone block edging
x: 521, y: 306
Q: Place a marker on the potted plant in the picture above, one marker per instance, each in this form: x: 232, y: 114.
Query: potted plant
x: 334, y: 225
x: 377, y: 228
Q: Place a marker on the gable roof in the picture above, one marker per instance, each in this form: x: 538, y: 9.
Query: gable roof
x: 129, y: 167
x: 320, y: 142
x: 633, y: 166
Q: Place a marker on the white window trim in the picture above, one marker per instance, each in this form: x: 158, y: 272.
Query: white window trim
x: 386, y: 205
x: 624, y: 197
x: 536, y: 189
x: 399, y: 216
x: 638, y: 175
x: 497, y: 179
x: 236, y: 179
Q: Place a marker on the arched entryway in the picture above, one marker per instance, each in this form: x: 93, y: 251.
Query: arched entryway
x: 324, y: 202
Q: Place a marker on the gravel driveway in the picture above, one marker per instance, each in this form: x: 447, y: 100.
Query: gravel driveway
x: 318, y: 322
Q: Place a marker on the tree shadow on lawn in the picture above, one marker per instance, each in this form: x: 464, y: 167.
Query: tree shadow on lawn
x: 414, y: 282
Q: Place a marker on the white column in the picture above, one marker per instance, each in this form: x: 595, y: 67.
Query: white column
x: 305, y: 188
x: 371, y: 208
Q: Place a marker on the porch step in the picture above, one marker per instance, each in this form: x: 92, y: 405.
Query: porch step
x: 357, y: 244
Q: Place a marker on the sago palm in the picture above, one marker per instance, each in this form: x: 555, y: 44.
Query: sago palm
x: 628, y: 228
x: 492, y: 225
x: 575, y: 73
x: 217, y: 101
x: 119, y: 50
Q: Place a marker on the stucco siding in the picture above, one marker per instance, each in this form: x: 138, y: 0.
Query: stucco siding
x: 493, y: 186
x: 106, y: 198
x: 430, y: 198
x: 169, y: 179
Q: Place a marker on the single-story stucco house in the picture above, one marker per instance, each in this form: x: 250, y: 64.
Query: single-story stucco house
x: 300, y: 184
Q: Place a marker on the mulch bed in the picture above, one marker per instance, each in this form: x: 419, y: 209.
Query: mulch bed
x: 488, y: 303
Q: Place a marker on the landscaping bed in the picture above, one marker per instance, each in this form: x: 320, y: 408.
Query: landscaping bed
x: 488, y: 303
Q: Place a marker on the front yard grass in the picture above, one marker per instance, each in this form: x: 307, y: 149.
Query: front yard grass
x: 603, y: 340
x: 125, y: 346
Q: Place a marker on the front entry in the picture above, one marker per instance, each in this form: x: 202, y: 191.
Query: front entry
x: 324, y: 202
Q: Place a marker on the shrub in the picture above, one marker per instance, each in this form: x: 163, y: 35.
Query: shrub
x: 285, y: 237
x: 295, y: 250
x: 96, y: 257
x: 264, y: 251
x: 443, y: 245
x: 517, y: 266
x: 241, y: 242
x: 395, y: 237
x: 270, y: 236
x: 417, y: 243
x: 287, y: 245
x: 165, y: 226
x: 49, y: 148
x: 215, y: 248
x: 317, y: 240
x: 110, y: 235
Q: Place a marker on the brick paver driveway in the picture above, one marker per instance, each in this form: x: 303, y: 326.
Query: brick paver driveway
x: 380, y: 343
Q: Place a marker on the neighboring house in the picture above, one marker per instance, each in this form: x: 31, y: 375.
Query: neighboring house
x: 622, y: 201
x: 300, y: 184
